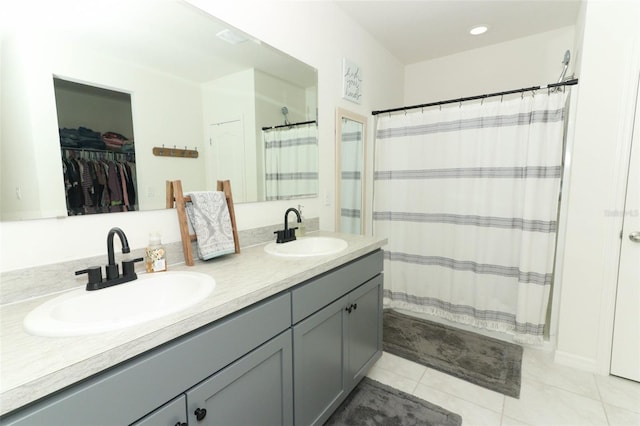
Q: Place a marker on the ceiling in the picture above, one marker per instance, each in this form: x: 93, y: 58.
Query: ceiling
x: 420, y: 30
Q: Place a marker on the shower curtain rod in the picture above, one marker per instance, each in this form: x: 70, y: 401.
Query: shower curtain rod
x: 289, y: 125
x: 571, y: 82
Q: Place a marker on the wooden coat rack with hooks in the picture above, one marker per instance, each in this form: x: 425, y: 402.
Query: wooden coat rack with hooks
x: 162, y: 151
x: 177, y: 197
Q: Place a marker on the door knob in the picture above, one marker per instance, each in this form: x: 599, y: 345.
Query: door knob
x: 635, y: 236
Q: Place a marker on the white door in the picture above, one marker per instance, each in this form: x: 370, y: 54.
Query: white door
x: 625, y: 355
x: 227, y: 140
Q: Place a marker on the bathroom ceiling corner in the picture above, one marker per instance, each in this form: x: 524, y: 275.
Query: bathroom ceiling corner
x: 416, y: 31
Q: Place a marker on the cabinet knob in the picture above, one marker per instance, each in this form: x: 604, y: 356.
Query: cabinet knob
x: 200, y: 413
x: 348, y: 309
x: 180, y: 424
x: 355, y: 306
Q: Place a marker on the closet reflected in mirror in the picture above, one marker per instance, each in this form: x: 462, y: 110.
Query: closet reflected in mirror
x: 351, y: 130
x: 97, y: 148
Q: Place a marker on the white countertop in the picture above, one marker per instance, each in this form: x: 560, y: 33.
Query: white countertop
x: 32, y: 367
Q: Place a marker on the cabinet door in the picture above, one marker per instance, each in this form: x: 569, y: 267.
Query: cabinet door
x: 173, y: 413
x: 255, y: 390
x: 318, y: 370
x: 364, y: 337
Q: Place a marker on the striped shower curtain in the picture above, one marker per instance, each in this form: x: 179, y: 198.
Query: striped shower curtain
x: 291, y: 162
x: 351, y: 165
x: 467, y: 196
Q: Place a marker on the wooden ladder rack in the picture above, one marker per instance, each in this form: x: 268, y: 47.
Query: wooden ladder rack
x: 175, y: 195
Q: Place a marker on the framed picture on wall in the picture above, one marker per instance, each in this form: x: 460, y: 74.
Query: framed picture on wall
x: 351, y: 81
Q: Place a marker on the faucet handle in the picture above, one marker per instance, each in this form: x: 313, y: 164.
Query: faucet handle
x: 285, y: 235
x: 95, y: 274
x: 128, y: 266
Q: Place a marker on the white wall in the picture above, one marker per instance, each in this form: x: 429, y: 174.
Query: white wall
x: 317, y: 33
x: 529, y: 61
x: 609, y: 70
x: 17, y: 125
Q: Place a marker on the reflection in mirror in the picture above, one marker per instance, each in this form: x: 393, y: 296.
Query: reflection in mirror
x: 98, y: 161
x: 350, y: 150
x: 190, y: 87
x: 291, y: 161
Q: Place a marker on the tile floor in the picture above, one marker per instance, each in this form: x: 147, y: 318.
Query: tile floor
x: 551, y: 394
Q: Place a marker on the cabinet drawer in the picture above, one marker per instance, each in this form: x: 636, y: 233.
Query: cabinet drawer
x: 319, y: 292
x: 170, y: 414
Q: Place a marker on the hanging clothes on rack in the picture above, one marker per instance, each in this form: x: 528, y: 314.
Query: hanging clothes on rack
x: 98, y: 181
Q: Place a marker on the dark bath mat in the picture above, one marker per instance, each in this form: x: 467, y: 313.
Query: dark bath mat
x: 484, y: 361
x: 372, y: 403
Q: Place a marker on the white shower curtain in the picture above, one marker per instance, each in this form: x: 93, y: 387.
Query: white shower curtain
x: 351, y: 176
x: 467, y: 196
x: 291, y: 162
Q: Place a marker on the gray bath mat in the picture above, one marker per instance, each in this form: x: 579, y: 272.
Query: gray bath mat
x: 372, y: 403
x: 484, y: 361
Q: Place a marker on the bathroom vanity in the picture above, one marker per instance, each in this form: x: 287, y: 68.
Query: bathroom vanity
x: 280, y: 341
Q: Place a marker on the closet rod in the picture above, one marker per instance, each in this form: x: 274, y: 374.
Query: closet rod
x: 98, y: 151
x: 473, y: 98
x: 302, y: 123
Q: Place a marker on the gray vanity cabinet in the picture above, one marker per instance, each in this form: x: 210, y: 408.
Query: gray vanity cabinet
x: 335, y: 346
x: 135, y: 389
x: 255, y: 390
x: 290, y: 359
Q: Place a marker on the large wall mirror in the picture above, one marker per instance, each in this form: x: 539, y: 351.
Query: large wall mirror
x: 351, y: 136
x: 185, y: 80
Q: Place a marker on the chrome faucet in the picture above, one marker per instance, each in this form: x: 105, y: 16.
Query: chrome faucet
x: 112, y: 270
x: 288, y: 234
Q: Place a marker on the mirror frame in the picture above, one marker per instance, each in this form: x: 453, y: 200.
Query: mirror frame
x: 340, y: 114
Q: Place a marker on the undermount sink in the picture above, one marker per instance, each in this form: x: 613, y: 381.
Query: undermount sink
x: 151, y: 296
x: 307, y: 246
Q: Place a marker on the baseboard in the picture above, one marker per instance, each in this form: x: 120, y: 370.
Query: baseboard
x: 575, y: 361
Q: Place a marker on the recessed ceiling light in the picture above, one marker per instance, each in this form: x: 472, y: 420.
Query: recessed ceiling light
x: 477, y: 30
